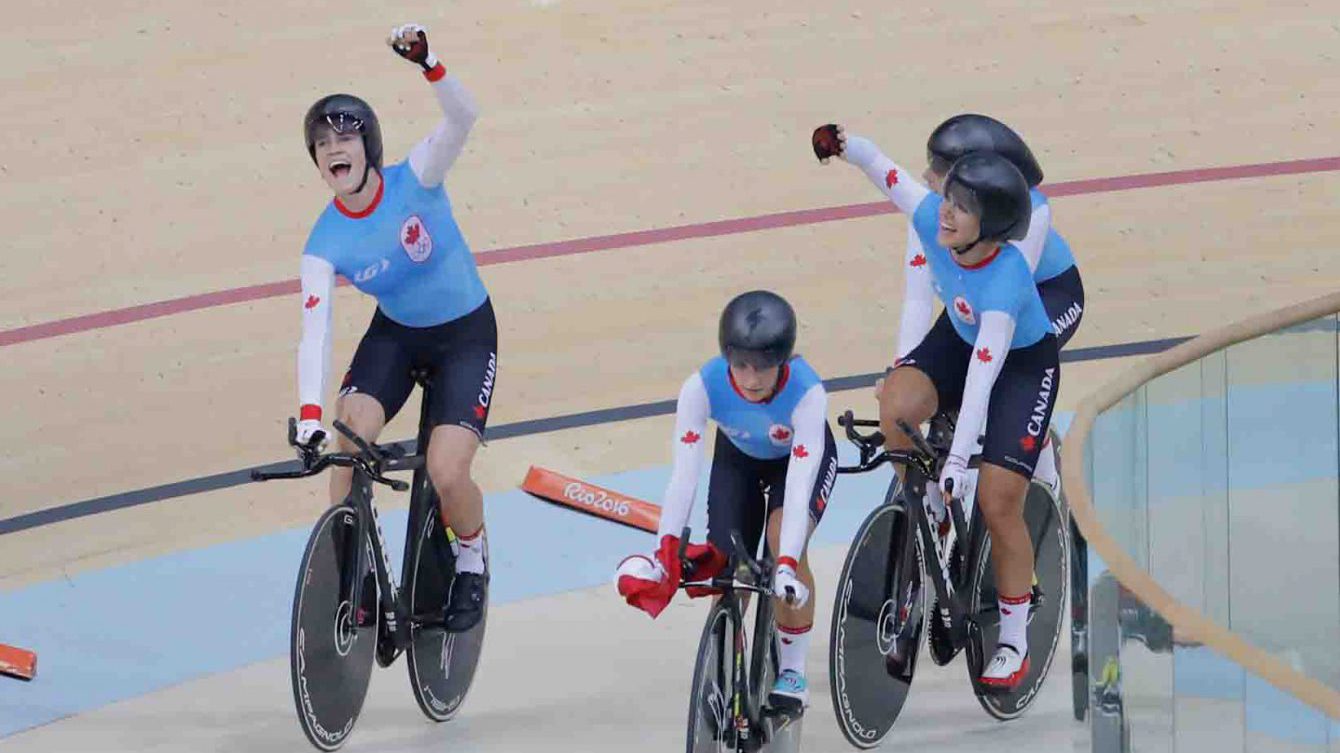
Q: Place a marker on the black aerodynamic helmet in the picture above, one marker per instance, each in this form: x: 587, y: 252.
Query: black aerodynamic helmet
x: 990, y: 186
x: 345, y: 113
x: 969, y: 132
x: 759, y: 328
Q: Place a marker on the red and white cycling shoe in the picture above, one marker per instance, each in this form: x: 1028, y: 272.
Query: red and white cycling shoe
x: 1005, y: 670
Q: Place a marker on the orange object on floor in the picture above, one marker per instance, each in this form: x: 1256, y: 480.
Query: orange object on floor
x: 591, y: 499
x: 17, y: 662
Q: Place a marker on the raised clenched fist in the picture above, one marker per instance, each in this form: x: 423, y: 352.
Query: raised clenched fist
x: 410, y: 41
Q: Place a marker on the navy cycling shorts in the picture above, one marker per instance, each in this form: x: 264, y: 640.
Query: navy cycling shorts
x: 743, y: 490
x: 461, y: 357
x: 1021, y: 400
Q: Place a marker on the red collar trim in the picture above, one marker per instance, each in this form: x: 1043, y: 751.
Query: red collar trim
x: 781, y: 385
x: 983, y: 262
x: 376, y: 200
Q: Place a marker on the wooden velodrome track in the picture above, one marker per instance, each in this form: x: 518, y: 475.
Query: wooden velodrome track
x: 152, y: 152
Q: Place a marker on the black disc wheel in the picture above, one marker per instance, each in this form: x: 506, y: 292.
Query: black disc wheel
x: 441, y: 664
x: 877, y: 627
x: 1047, y: 529
x: 330, y: 648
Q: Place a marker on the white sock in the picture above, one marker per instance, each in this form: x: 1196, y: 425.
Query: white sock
x: 792, y: 646
x: 1014, y: 621
x: 470, y: 553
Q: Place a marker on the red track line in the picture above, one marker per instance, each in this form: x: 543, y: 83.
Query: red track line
x: 115, y: 317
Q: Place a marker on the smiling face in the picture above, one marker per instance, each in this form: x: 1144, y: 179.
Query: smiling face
x: 960, y: 219
x: 341, y: 159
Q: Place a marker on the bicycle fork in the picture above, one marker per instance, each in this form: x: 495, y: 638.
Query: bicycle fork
x: 369, y: 522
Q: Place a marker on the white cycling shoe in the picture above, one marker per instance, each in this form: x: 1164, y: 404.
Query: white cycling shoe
x: 1005, y: 670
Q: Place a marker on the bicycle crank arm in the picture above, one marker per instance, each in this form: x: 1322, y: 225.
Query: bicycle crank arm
x: 428, y: 621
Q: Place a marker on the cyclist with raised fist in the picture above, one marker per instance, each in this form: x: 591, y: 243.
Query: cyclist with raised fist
x: 390, y: 231
x: 992, y: 354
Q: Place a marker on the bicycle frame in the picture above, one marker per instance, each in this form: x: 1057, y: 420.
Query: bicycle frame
x: 394, y: 610
x: 369, y: 465
x: 922, y: 465
x: 746, y: 712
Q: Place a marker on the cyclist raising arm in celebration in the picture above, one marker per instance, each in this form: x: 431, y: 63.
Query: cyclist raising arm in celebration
x: 390, y: 230
x: 775, y: 464
x: 991, y: 354
x: 1054, y: 268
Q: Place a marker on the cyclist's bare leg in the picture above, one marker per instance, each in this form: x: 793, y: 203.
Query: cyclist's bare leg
x: 788, y: 616
x: 1000, y: 494
x: 363, y: 414
x: 907, y: 394
x: 451, y: 451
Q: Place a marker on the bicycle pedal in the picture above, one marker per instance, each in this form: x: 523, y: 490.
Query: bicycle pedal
x: 942, y: 648
x: 386, y: 654
x: 784, y: 707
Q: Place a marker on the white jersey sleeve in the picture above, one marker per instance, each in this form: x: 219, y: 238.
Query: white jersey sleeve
x: 918, y: 296
x: 691, y: 414
x: 808, y: 420
x: 892, y: 180
x: 431, y: 158
x: 1039, y: 225
x: 984, y: 365
x: 318, y: 284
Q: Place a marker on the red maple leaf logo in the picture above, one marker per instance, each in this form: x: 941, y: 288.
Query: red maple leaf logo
x: 984, y: 355
x: 690, y: 437
x: 800, y: 452
x: 781, y: 434
x: 412, y: 234
x: 919, y: 260
x: 312, y: 302
x: 891, y: 179
x: 963, y: 307
x: 821, y: 504
x: 480, y: 412
x: 1028, y: 443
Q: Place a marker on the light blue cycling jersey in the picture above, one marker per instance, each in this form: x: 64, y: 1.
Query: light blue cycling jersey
x: 1002, y: 282
x: 1056, y: 256
x: 406, y: 251
x: 759, y: 430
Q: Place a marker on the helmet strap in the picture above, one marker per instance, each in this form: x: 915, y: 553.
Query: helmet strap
x: 961, y: 250
x: 367, y: 166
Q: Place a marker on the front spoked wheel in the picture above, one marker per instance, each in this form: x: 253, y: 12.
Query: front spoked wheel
x: 1047, y: 529
x: 710, y: 727
x: 330, y: 648
x: 441, y: 664
x: 877, y: 627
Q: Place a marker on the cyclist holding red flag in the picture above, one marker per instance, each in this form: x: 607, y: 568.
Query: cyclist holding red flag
x: 774, y: 466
